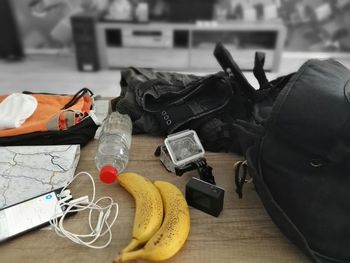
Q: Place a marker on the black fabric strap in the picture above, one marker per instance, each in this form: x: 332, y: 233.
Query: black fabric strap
x: 259, y: 72
x: 171, y: 118
x: 76, y: 97
x: 227, y: 63
x: 240, y: 180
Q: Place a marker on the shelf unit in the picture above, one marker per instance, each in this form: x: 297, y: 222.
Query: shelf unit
x: 173, y: 46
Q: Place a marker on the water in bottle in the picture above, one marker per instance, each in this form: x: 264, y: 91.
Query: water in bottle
x: 113, y: 150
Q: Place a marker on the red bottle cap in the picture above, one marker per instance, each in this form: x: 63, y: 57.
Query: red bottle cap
x: 108, y: 174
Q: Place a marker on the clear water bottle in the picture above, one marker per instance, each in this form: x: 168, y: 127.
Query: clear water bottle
x: 113, y: 150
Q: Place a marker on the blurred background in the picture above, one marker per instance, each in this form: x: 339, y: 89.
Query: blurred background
x: 176, y: 35
x: 313, y: 25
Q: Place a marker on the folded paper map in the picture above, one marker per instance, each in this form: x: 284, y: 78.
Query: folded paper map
x: 28, y: 171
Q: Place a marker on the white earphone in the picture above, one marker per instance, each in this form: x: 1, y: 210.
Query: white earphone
x: 64, y: 193
x: 80, y: 204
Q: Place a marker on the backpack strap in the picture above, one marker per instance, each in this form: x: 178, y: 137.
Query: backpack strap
x: 77, y: 96
x: 241, y: 177
x: 172, y: 117
x: 259, y: 71
x: 227, y: 63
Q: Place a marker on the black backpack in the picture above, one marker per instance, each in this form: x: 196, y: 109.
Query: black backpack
x: 297, y: 149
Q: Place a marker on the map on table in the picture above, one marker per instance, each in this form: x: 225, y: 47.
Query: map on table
x: 29, y: 171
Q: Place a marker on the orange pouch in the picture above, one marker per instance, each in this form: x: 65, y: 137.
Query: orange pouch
x: 58, y: 119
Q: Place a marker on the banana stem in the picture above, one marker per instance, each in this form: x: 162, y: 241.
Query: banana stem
x: 138, y: 254
x: 134, y: 243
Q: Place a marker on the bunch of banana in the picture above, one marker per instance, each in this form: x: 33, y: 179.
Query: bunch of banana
x: 169, y: 237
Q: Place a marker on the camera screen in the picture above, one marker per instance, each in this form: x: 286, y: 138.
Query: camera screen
x: 201, y: 199
x: 184, y: 148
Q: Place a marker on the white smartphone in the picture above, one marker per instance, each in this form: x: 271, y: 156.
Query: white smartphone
x: 29, y: 215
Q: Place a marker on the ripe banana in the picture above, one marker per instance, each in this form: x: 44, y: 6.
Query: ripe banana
x: 174, y: 231
x: 149, y: 208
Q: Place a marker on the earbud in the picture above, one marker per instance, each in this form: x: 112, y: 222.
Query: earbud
x: 64, y: 193
x: 65, y: 199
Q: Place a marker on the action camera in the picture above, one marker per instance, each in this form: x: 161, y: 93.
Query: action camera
x: 184, y: 152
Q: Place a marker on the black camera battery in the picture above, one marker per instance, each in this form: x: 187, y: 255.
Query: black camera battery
x: 204, y: 196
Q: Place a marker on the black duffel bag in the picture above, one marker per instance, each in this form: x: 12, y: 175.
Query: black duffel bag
x: 297, y: 149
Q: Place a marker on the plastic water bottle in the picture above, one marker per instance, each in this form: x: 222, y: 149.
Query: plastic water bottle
x: 113, y: 150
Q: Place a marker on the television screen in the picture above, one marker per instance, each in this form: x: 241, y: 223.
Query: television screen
x: 190, y: 11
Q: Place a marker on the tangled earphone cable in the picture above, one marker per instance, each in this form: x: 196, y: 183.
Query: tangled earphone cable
x: 69, y: 205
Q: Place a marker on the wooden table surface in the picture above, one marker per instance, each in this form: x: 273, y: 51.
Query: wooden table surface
x: 242, y: 233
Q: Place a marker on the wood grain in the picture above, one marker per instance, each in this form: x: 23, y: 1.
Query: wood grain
x: 242, y: 233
